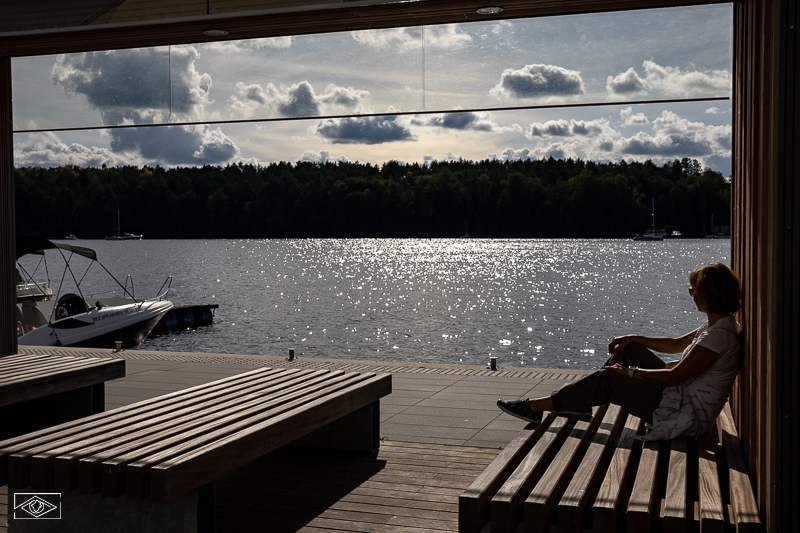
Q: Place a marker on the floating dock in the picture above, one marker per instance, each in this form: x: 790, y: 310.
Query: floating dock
x: 185, y: 316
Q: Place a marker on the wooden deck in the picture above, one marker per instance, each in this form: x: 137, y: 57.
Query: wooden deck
x: 440, y: 429
x: 404, y: 487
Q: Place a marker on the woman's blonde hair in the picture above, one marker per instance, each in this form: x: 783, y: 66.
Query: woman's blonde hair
x: 719, y: 286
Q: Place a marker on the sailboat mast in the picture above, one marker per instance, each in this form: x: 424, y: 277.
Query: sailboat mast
x: 654, y: 214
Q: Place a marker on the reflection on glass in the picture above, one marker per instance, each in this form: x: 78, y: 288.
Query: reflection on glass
x: 629, y: 56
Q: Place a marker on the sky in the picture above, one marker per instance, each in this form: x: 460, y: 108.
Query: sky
x: 406, y: 94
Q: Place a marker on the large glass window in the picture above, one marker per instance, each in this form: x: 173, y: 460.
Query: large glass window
x: 650, y: 84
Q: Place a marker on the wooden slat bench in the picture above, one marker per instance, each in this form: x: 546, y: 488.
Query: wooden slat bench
x: 592, y: 473
x: 37, y: 391
x: 163, y: 454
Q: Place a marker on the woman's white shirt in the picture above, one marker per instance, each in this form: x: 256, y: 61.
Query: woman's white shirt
x: 691, y: 407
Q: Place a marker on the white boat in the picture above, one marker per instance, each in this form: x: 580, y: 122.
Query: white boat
x: 122, y: 236
x: 651, y: 234
x: 72, y: 320
x: 71, y: 237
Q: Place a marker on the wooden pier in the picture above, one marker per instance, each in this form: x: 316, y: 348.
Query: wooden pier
x: 440, y: 429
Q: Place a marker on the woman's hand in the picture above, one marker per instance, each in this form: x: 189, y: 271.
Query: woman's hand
x: 618, y: 368
x: 618, y: 343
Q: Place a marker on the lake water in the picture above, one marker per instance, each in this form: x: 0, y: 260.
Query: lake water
x: 535, y: 302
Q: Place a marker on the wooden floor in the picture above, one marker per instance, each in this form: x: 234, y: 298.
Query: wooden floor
x: 440, y: 429
x: 405, y: 487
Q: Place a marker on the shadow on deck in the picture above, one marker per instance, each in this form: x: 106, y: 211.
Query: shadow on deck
x: 404, y: 487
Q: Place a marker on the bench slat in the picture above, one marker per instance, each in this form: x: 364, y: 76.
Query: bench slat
x: 643, y: 494
x: 712, y: 519
x: 588, y: 477
x: 58, y: 465
x: 609, y: 498
x: 21, y: 462
x: 473, y: 503
x: 540, y: 503
x: 745, y: 513
x: 12, y: 362
x: 506, y: 505
x: 181, y: 474
x: 75, y: 430
x: 59, y: 378
x: 75, y: 426
x: 675, y: 512
x: 117, y: 478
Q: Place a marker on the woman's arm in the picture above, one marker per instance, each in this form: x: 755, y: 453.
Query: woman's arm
x: 659, y: 344
x: 697, y: 360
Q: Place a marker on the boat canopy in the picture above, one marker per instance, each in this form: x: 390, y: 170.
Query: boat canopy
x: 28, y: 244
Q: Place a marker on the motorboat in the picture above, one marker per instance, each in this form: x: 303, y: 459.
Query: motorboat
x: 71, y: 319
x: 122, y: 236
x: 71, y: 237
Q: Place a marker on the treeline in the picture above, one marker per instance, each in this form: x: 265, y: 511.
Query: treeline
x: 534, y: 198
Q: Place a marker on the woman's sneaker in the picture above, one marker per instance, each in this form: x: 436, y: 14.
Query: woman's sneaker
x: 520, y: 409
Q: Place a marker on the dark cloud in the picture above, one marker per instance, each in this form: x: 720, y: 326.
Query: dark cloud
x: 666, y: 145
x: 537, y: 80
x: 364, y: 130
x: 606, y: 146
x: 136, y: 85
x: 298, y: 100
x: 301, y: 102
x: 459, y: 120
x: 177, y: 145
x: 626, y: 83
x: 671, y: 81
x: 567, y: 128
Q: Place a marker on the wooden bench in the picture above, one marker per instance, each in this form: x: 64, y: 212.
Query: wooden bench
x: 591, y: 473
x: 163, y: 454
x: 37, y: 391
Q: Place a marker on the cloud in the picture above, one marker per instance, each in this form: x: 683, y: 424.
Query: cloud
x: 298, y: 100
x: 669, y: 81
x: 135, y: 86
x: 322, y: 157
x: 439, y: 36
x: 48, y: 150
x: 715, y: 111
x: 462, y: 121
x: 630, y: 119
x: 558, y: 150
x: 176, y: 145
x: 665, y: 145
x: 567, y: 128
x: 626, y: 83
x: 364, y: 130
x: 538, y: 80
x: 670, y: 137
x: 248, y: 45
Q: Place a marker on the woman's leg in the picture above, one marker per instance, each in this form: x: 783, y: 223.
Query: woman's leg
x: 637, y: 397
x: 636, y: 354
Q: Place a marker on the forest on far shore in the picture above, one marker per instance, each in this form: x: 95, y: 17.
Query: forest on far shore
x: 490, y: 198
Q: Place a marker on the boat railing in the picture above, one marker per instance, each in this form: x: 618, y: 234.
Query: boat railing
x: 132, y: 292
x: 162, y: 293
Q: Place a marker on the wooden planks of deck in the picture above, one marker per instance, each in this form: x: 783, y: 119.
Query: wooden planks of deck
x: 405, y: 487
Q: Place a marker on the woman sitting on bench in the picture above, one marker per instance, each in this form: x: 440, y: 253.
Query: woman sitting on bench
x: 682, y: 398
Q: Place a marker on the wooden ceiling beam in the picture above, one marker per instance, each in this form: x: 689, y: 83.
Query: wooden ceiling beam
x: 343, y: 17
